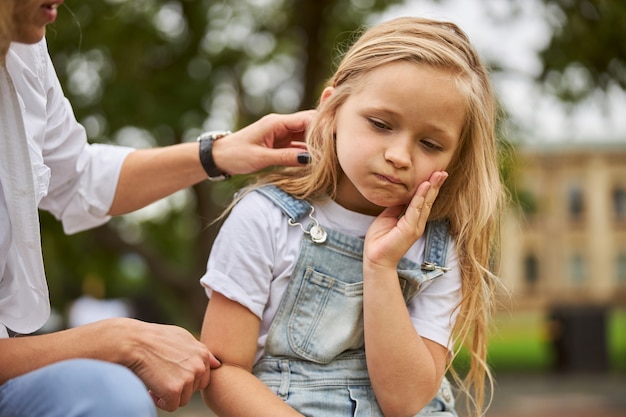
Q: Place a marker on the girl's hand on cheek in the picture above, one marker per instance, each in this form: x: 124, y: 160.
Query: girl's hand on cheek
x: 393, y: 233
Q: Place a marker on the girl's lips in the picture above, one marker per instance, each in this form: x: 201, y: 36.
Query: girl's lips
x: 389, y: 179
x: 50, y: 15
x: 49, y: 10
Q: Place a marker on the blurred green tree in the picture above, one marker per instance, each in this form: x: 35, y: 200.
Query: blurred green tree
x: 586, y: 51
x: 157, y: 72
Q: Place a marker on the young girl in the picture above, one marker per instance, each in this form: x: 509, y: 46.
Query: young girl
x: 342, y: 288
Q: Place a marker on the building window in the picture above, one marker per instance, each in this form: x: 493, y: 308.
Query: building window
x: 531, y: 270
x: 575, y: 203
x: 621, y: 268
x: 619, y: 203
x: 577, y: 270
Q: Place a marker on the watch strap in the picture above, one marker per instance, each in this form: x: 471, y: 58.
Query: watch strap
x: 206, y: 155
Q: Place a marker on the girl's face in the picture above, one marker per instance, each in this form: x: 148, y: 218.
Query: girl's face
x: 30, y: 18
x: 403, y: 123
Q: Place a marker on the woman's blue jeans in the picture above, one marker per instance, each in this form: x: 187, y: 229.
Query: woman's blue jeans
x: 76, y: 388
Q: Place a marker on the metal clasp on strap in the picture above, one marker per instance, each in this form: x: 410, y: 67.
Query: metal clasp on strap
x: 431, y: 266
x: 317, y: 232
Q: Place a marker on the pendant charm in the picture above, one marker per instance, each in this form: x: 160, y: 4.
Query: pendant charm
x: 318, y: 234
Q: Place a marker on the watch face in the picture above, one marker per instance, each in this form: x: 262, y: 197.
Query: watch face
x: 214, y: 135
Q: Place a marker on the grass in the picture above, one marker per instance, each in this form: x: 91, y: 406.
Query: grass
x: 617, y: 340
x: 521, y: 342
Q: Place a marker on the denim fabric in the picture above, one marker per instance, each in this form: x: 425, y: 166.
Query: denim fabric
x: 76, y: 388
x: 315, y: 351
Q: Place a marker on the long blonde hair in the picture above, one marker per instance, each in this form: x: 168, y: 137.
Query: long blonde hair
x: 471, y: 197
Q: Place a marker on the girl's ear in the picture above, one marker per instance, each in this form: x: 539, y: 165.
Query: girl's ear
x: 328, y: 91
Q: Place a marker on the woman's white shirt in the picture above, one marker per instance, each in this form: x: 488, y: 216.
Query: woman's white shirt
x: 72, y: 179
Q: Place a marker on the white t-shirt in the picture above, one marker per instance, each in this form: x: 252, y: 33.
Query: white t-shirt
x: 256, y: 251
x: 73, y: 180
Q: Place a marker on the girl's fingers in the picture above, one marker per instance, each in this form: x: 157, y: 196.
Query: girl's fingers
x: 425, y: 197
x: 436, y: 181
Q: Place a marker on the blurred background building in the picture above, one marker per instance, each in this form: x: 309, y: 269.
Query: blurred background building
x: 566, y: 243
x: 564, y: 247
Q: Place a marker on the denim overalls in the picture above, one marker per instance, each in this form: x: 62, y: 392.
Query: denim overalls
x: 315, y: 352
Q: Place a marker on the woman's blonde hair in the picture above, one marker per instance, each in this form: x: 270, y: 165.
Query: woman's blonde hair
x: 471, y: 197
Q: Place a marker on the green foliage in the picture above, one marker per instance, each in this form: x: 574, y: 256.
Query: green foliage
x: 155, y: 72
x: 587, y: 50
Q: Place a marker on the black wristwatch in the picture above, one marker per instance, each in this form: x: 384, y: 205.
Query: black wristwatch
x: 206, y: 154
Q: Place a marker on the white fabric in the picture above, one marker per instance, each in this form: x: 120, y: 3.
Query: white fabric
x: 73, y: 180
x: 87, y: 309
x: 20, y: 239
x: 256, y: 250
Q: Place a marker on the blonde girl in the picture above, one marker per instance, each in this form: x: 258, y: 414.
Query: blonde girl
x: 346, y: 287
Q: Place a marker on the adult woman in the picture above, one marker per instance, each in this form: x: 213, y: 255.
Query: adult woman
x: 46, y: 162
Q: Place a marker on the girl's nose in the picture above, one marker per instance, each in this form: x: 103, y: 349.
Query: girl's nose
x: 398, y: 152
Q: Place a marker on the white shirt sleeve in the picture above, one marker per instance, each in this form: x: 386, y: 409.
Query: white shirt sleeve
x: 244, y: 255
x: 75, y: 181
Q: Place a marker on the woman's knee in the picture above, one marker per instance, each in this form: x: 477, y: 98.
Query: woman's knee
x: 111, y: 386
x: 104, y: 388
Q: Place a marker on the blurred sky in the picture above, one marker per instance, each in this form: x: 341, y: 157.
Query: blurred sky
x: 513, y: 45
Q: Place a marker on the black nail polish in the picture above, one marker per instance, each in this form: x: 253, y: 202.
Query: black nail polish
x: 304, y: 158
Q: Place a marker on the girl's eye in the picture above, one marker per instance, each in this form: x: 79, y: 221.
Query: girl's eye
x: 432, y: 145
x: 377, y: 124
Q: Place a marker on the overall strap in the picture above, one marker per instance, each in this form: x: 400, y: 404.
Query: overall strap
x: 437, y: 241
x: 291, y: 206
x: 435, y: 257
x: 437, y: 237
